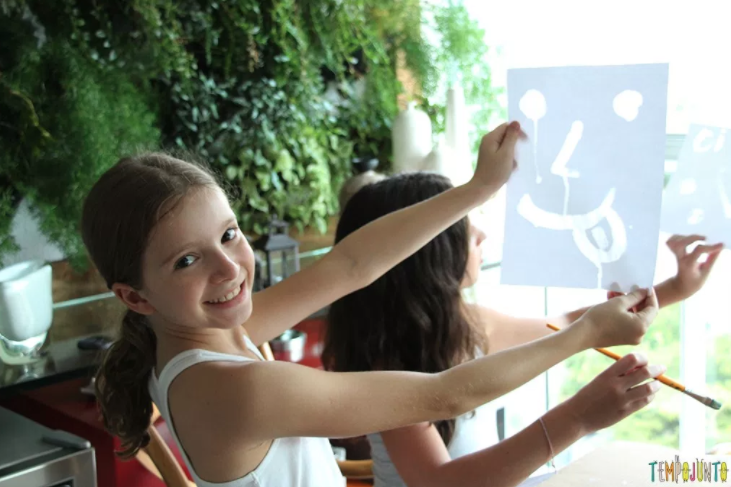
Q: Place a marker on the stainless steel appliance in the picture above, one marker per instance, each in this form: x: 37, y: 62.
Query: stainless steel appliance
x: 32, y: 455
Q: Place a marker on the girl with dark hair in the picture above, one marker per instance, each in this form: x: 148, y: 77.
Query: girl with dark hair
x: 163, y: 236
x: 413, y: 318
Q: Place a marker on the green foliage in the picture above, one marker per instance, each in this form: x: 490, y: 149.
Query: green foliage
x: 719, y: 388
x: 659, y: 422
x: 278, y: 95
x: 255, y: 110
x: 460, y: 54
x: 62, y: 123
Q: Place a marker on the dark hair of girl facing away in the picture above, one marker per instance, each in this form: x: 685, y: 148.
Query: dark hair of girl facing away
x: 119, y: 215
x: 413, y: 317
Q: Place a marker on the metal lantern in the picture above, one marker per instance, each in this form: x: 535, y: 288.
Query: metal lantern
x: 278, y: 248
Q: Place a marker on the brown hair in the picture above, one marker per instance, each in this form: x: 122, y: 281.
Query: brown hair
x: 119, y: 214
x: 413, y: 317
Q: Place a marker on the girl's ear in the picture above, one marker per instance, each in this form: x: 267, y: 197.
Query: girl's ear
x: 132, y: 299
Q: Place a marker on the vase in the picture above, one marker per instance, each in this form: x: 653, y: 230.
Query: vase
x: 411, y: 139
x: 26, y: 310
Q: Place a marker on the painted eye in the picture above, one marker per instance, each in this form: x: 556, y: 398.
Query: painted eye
x: 184, y: 262
x: 230, y: 234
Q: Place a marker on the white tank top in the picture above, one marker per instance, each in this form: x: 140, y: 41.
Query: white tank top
x: 471, y: 433
x: 290, y: 462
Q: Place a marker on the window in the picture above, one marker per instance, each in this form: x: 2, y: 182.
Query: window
x: 692, y: 36
x: 692, y: 338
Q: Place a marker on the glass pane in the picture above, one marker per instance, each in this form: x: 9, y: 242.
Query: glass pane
x: 659, y: 422
x: 525, y: 404
x: 692, y: 37
x: 718, y: 343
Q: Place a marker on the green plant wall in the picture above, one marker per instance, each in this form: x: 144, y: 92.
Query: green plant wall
x: 62, y: 122
x: 277, y: 95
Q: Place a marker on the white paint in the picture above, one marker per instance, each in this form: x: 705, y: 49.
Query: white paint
x: 720, y: 141
x: 698, y: 141
x: 562, y: 159
x: 688, y: 186
x: 601, y: 253
x: 533, y: 106
x: 696, y: 216
x: 553, y: 221
x: 627, y: 104
x: 697, y: 198
x: 599, y: 256
x: 585, y: 141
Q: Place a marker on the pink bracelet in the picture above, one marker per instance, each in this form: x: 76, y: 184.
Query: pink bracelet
x: 550, y: 445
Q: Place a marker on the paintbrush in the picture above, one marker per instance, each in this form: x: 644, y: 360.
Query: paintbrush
x: 710, y: 402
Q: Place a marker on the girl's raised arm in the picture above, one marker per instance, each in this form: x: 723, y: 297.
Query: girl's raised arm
x: 371, y: 251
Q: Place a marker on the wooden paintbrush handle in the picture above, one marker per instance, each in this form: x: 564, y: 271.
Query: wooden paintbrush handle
x: 662, y: 378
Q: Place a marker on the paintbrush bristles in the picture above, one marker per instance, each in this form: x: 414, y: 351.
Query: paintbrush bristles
x: 710, y: 402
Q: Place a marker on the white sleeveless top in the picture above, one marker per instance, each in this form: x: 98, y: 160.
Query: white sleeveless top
x: 472, y: 432
x: 290, y: 462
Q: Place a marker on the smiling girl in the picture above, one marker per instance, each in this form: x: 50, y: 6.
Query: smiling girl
x: 162, y: 234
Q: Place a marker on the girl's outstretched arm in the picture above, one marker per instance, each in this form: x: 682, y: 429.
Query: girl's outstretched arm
x: 372, y: 250
x: 506, y: 331
x: 422, y: 459
x: 262, y: 401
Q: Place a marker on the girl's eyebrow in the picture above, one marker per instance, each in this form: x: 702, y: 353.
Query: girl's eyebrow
x: 226, y: 225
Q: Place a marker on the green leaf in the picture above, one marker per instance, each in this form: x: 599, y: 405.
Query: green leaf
x: 321, y: 225
x: 264, y: 179
x: 276, y: 181
x: 260, y: 160
x: 284, y: 163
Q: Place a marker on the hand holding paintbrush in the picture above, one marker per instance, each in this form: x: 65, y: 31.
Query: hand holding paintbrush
x: 711, y: 403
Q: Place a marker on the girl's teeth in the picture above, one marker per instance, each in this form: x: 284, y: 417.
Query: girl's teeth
x: 228, y: 297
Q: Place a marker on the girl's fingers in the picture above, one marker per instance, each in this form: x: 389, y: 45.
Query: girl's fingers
x: 634, y: 406
x: 494, y: 139
x: 710, y: 261
x: 679, y: 243
x: 703, y: 249
x: 647, y: 310
x: 642, y: 391
x: 642, y: 374
x: 625, y: 365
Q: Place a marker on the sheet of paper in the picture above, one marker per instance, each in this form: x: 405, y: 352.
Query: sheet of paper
x: 583, y: 208
x: 697, y: 199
